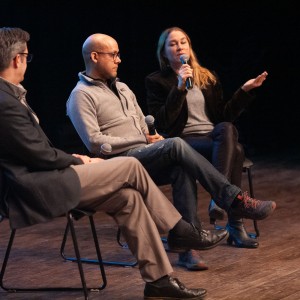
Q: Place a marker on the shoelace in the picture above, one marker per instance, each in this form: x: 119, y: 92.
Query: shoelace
x: 200, y: 231
x: 250, y: 202
x: 180, y: 284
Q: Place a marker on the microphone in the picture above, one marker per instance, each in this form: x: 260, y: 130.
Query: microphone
x: 189, y: 82
x: 150, y: 123
x: 105, y: 150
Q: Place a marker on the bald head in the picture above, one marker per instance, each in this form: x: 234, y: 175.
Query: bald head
x: 101, y: 56
x: 96, y: 42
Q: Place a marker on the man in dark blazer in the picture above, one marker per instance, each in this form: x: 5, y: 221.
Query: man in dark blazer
x: 41, y: 182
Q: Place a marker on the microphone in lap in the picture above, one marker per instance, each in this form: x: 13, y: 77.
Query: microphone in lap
x: 105, y: 150
x: 189, y: 81
x: 150, y: 123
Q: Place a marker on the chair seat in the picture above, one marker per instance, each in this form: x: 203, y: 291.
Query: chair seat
x: 80, y: 213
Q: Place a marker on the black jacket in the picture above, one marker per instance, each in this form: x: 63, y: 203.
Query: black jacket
x: 37, y: 183
x: 168, y: 105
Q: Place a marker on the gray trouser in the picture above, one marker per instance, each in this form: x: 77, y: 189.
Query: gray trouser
x: 122, y: 188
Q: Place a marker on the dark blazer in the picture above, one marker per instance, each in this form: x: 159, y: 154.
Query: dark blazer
x: 37, y: 182
x: 168, y: 105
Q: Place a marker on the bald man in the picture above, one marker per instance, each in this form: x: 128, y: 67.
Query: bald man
x: 104, y: 110
x: 40, y: 182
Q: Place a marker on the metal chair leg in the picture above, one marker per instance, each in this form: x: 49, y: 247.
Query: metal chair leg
x: 84, y: 288
x: 5, y: 261
x: 96, y: 261
x: 248, y: 164
x: 247, y: 168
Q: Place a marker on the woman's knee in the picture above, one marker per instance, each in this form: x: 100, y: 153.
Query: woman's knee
x: 226, y: 126
x: 227, y: 130
x: 240, y: 151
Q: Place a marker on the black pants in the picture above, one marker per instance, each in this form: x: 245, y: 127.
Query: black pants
x: 222, y: 149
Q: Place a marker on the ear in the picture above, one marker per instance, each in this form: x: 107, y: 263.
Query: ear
x: 93, y: 56
x: 16, y: 61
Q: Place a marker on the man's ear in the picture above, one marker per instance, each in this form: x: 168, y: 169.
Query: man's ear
x: 16, y: 61
x: 93, y: 56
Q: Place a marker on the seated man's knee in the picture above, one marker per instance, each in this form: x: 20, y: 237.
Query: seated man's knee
x: 125, y: 201
x: 178, y: 142
x: 130, y: 164
x: 129, y: 160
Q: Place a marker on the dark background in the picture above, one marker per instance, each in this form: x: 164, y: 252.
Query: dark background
x: 238, y: 39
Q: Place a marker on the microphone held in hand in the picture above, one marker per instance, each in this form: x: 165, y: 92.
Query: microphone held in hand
x: 150, y: 123
x: 105, y: 150
x: 189, y: 81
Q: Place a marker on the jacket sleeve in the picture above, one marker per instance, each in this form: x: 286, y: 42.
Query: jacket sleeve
x: 220, y: 109
x: 165, y: 102
x: 237, y: 104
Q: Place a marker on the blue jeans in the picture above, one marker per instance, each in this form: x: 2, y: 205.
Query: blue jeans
x: 174, y: 161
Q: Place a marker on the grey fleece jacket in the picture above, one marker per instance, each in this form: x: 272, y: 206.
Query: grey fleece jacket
x: 100, y: 116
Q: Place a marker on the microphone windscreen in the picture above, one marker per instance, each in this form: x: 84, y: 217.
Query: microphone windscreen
x: 106, y: 148
x: 149, y: 120
x: 184, y: 58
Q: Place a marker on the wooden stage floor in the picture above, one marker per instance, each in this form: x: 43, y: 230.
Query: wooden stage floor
x: 271, y: 271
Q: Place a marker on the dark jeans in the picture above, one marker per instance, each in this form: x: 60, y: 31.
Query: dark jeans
x: 222, y: 149
x: 174, y: 161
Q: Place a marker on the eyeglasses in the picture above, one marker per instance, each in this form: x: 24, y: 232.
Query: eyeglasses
x: 29, y: 56
x: 114, y: 55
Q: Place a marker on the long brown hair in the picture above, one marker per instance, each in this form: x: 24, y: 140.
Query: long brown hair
x: 202, y: 76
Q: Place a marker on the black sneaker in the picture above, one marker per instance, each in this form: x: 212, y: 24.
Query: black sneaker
x: 195, y: 238
x: 250, y: 208
x: 171, y: 288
